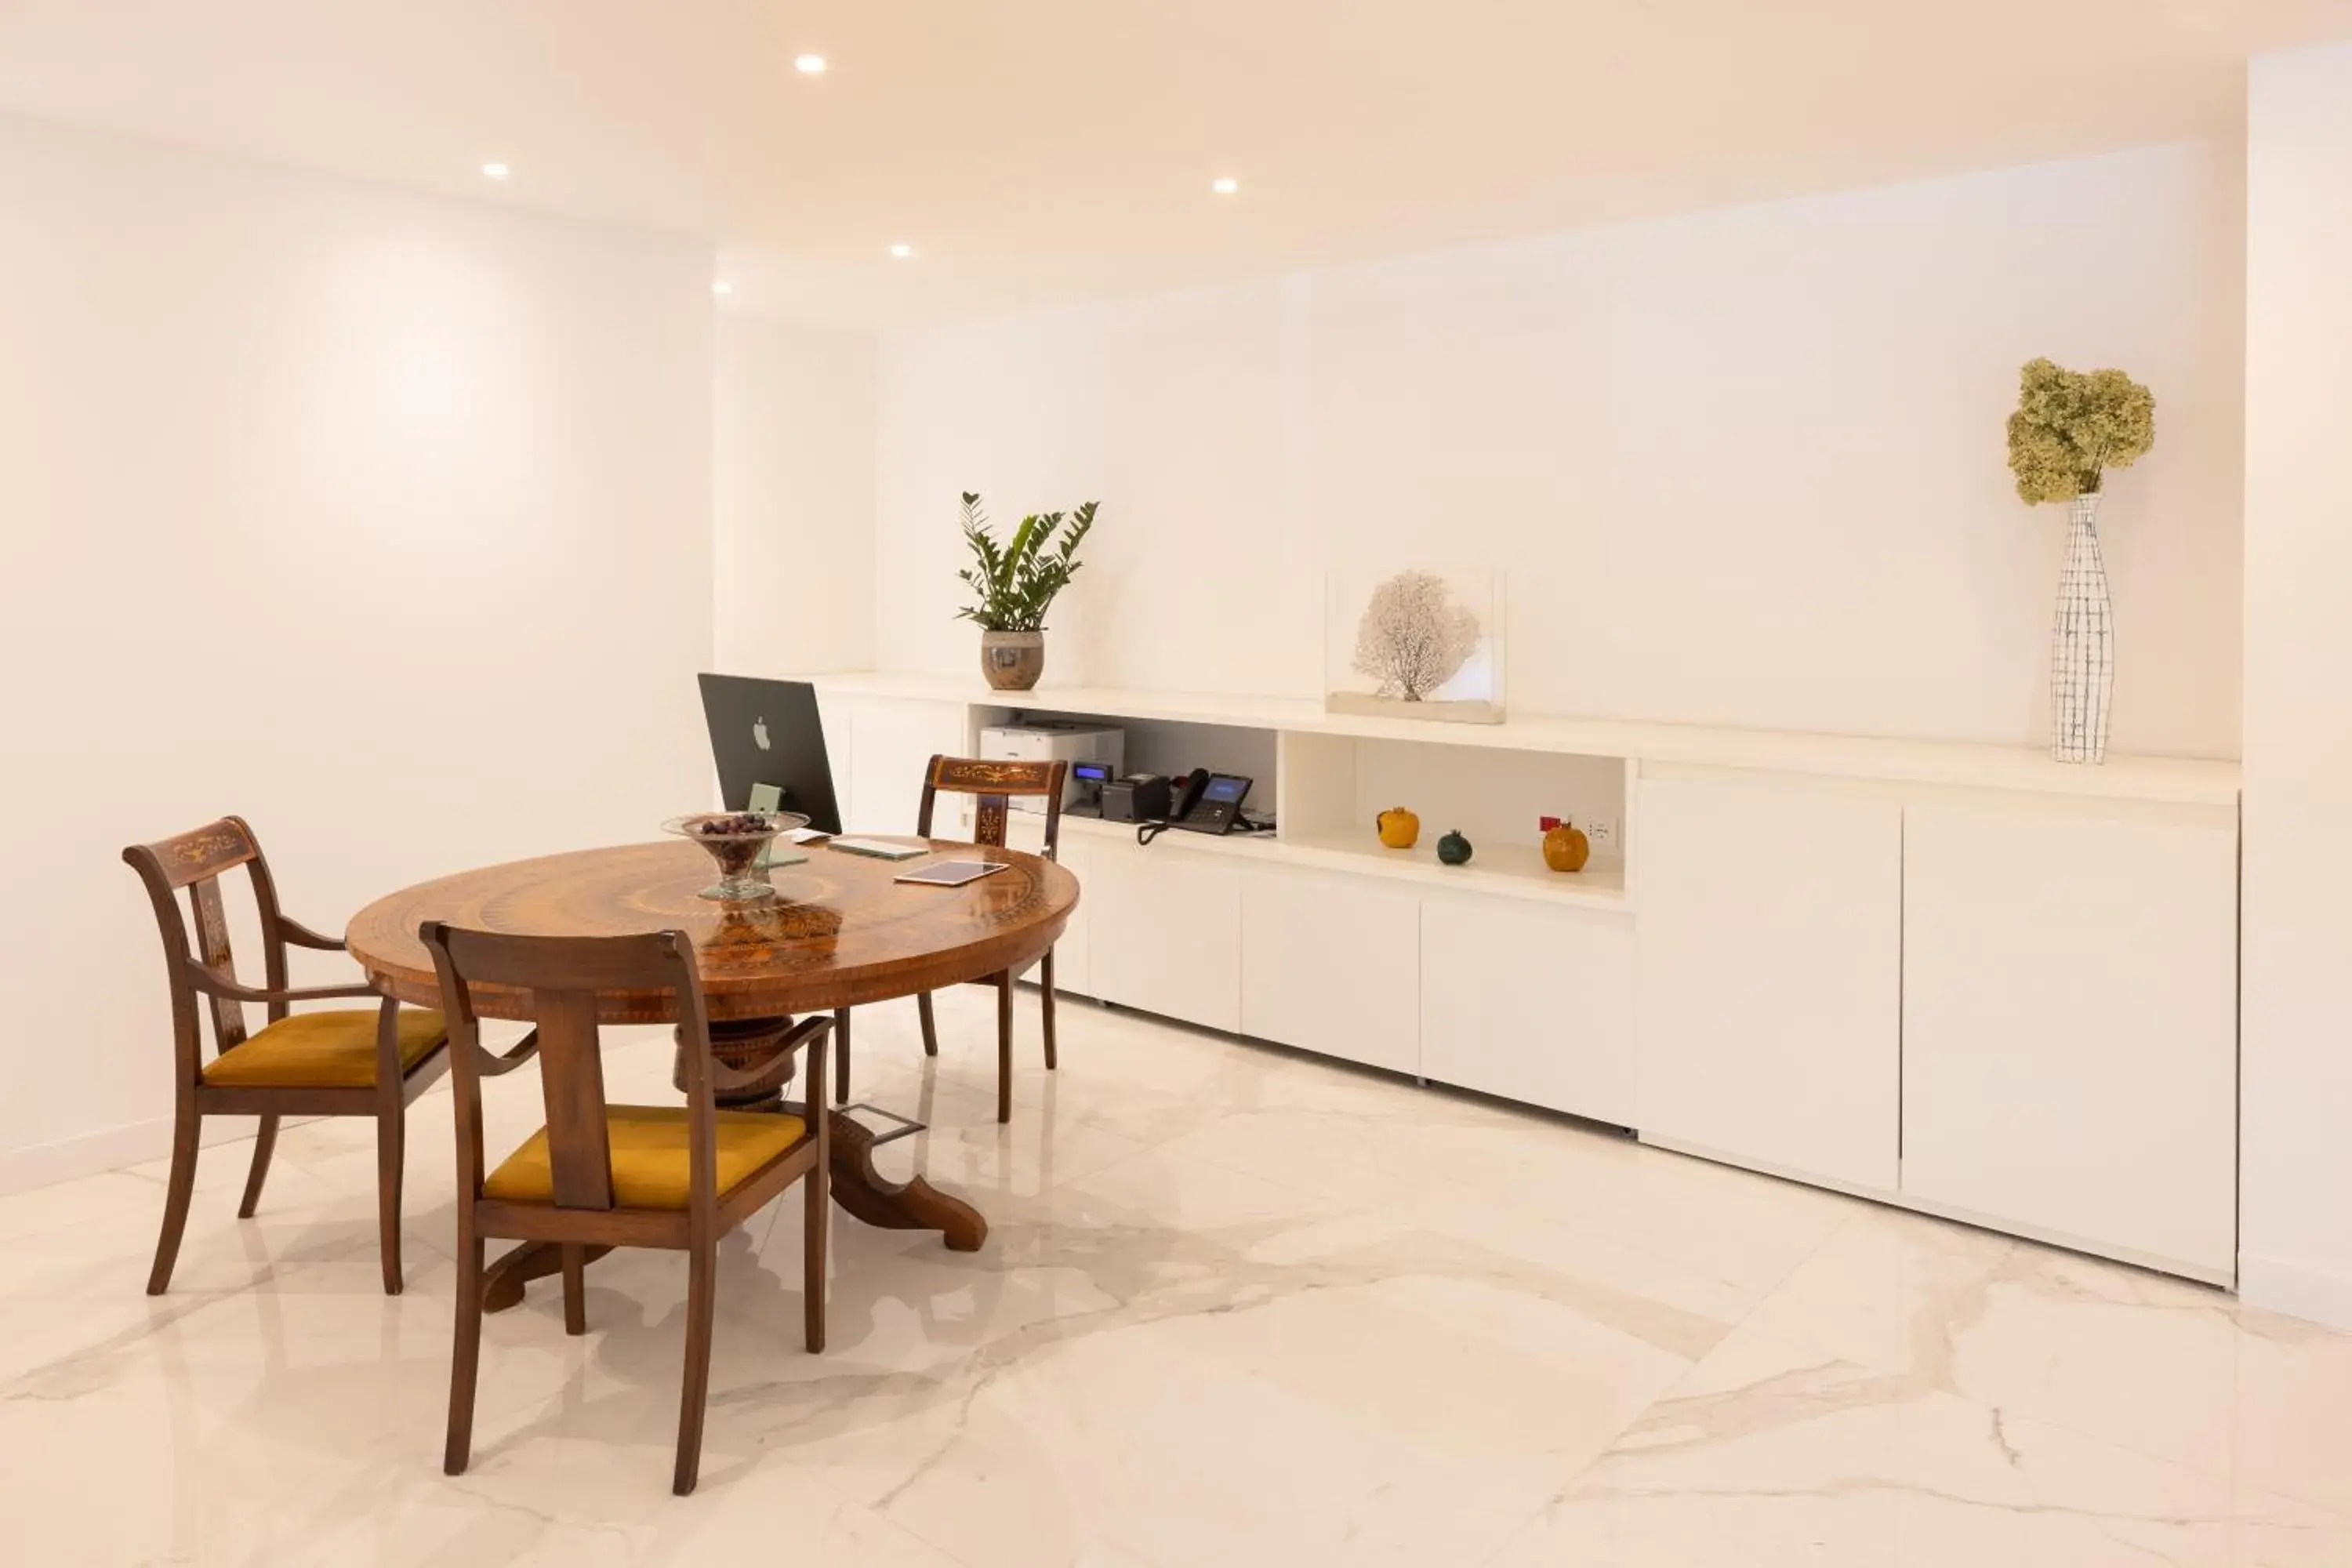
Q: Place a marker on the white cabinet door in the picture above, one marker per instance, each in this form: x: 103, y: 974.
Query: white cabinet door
x: 1025, y: 830
x: 2069, y: 1023
x: 1073, y: 955
x: 1770, y: 972
x: 1165, y: 931
x: 1529, y: 1003
x: 891, y: 744
x: 1331, y: 962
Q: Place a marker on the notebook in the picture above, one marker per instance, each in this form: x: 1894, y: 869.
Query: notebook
x: 882, y: 849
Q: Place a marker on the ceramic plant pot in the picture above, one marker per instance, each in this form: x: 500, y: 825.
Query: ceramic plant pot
x: 1012, y: 660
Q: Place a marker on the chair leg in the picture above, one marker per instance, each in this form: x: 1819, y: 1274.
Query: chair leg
x: 575, y: 1288
x: 841, y: 1062
x: 820, y: 1217
x: 464, y: 1356
x: 701, y: 1270
x: 176, y: 1195
x: 1045, y: 1006
x: 391, y: 1151
x: 1004, y: 1046
x: 930, y: 1025
x: 265, y: 1143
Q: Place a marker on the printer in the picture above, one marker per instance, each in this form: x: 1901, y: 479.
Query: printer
x: 1046, y: 741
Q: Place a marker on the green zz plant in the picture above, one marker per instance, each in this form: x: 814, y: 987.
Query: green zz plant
x: 1016, y: 581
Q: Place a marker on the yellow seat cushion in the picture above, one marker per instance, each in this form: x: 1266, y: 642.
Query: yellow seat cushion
x: 648, y: 1143
x: 323, y: 1050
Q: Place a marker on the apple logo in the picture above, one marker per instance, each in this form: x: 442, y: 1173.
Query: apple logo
x: 759, y: 733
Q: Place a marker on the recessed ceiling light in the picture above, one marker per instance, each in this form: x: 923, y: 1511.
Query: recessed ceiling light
x: 810, y: 65
x: 721, y: 287
x: 1225, y: 186
x: 902, y: 251
x: 495, y: 170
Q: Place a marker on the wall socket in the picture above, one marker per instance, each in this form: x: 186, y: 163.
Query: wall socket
x: 1599, y: 832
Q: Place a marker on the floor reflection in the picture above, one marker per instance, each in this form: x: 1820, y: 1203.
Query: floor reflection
x: 1236, y: 1307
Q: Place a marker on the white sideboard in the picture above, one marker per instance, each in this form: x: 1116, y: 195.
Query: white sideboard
x: 1966, y: 979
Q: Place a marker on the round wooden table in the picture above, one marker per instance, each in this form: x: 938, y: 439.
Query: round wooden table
x: 841, y: 930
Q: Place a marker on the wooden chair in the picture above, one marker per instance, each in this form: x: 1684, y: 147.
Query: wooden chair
x: 600, y: 1175
x: 353, y: 1062
x: 995, y: 782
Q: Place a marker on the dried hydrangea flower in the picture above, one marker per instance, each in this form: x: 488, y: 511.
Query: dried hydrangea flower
x: 2071, y: 426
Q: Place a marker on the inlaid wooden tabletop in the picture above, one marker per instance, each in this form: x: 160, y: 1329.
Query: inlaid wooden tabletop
x: 841, y: 930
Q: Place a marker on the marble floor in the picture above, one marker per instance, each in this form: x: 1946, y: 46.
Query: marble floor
x: 1239, y: 1307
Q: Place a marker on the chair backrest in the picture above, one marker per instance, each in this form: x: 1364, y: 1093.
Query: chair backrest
x: 195, y: 861
x: 562, y: 976
x: 995, y: 782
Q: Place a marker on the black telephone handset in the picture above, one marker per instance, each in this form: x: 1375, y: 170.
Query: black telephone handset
x: 1186, y: 794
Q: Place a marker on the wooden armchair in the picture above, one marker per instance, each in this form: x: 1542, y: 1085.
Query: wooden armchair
x: 995, y: 782
x: 600, y: 1175
x: 348, y: 1062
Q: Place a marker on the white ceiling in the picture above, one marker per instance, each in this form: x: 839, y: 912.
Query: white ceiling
x: 1037, y: 150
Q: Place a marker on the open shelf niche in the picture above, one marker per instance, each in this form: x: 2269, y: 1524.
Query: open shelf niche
x: 1165, y: 746
x: 1325, y: 790
x: 1335, y: 786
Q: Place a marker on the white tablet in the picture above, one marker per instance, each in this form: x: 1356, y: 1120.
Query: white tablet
x: 951, y: 873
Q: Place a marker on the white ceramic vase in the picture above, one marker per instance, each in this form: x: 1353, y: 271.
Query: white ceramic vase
x: 2082, y: 644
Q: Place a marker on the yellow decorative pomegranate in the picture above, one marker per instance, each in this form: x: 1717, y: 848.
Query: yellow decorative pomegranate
x: 1400, y: 828
x: 1565, y: 848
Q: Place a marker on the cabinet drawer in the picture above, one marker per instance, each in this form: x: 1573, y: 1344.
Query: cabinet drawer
x: 2069, y: 1024
x: 1074, y: 954
x: 1332, y: 963
x: 1770, y: 974
x: 1164, y: 934
x: 1529, y: 1003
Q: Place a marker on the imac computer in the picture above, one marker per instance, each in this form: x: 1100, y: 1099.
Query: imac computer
x: 768, y: 732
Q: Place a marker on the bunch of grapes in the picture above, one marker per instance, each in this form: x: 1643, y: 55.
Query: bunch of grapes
x: 734, y: 823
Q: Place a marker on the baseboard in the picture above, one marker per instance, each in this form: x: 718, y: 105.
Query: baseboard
x: 2297, y: 1289
x: 109, y: 1149
x: 2203, y: 1274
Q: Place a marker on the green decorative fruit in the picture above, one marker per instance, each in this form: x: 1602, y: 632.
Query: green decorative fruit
x: 1454, y: 849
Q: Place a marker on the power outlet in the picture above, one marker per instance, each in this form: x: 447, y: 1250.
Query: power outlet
x: 1600, y: 833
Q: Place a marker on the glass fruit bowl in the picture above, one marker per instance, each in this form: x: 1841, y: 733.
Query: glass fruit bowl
x: 738, y: 841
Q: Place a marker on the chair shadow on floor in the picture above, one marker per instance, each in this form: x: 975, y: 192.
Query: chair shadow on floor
x: 764, y: 1390
x: 880, y: 1281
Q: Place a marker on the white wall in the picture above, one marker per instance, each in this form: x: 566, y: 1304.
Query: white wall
x: 1745, y: 467
x: 381, y: 520
x: 794, y: 513
x: 2296, y: 1222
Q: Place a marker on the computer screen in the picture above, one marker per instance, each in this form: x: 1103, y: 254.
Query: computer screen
x: 769, y: 732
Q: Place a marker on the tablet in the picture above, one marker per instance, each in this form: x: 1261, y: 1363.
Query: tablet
x: 951, y: 873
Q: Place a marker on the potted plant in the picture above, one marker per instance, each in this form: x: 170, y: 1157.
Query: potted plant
x: 2070, y: 427
x: 1016, y: 583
